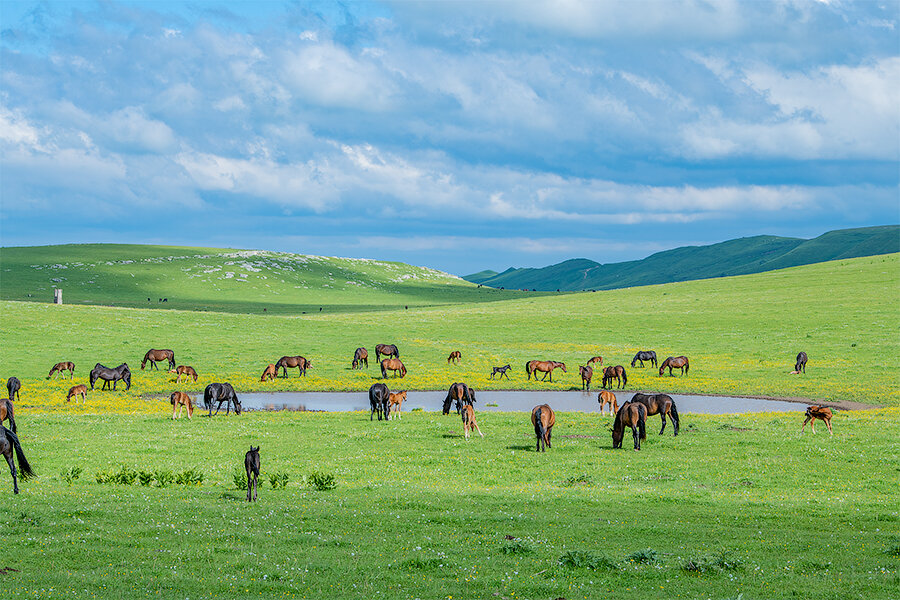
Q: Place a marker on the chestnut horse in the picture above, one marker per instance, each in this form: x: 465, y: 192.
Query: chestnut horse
x: 634, y: 415
x: 77, y: 390
x: 818, y: 412
x: 543, y: 419
x: 388, y: 350
x: 801, y: 362
x: 643, y: 355
x: 157, y: 355
x: 7, y: 412
x: 468, y: 418
x: 675, y: 362
x: 293, y: 361
x: 544, y: 366
x: 269, y: 373
x: 184, y: 370
x: 461, y: 394
x: 454, y: 356
x: 63, y: 366
x: 180, y: 400
x: 379, y: 400
x: 395, y: 398
x: 359, y: 357
x: 9, y: 441
x: 618, y: 373
x: 608, y: 398
x: 661, y: 404
x: 392, y: 364
x: 596, y: 359
x: 586, y: 374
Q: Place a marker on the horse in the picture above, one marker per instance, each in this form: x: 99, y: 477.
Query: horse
x: 13, y: 385
x: 269, y: 373
x: 395, y: 399
x: 543, y: 419
x: 392, y: 364
x: 608, y: 398
x: 801, y: 362
x: 106, y: 374
x: 389, y: 350
x: 9, y: 441
x: 221, y: 392
x: 62, y: 366
x: 180, y: 400
x: 184, y: 370
x: 675, y: 362
x: 618, y: 373
x: 156, y: 355
x: 818, y: 412
x: 643, y: 355
x: 379, y: 398
x: 8, y: 413
x: 661, y: 404
x: 468, y: 419
x: 502, y: 371
x: 596, y: 359
x: 293, y: 361
x: 634, y: 415
x: 454, y: 356
x: 461, y: 394
x: 77, y: 390
x: 544, y: 366
x: 359, y: 357
x: 586, y: 374
x: 251, y: 465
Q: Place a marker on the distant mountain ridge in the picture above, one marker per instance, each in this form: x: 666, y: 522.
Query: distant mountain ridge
x: 733, y: 257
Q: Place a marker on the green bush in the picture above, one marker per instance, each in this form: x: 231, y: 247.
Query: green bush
x: 145, y: 477
x: 163, y: 477
x: 189, y: 477
x: 239, y: 477
x: 322, y: 481
x: 516, y: 547
x: 643, y: 556
x: 717, y: 563
x: 585, y: 559
x: 71, y: 474
x: 278, y: 480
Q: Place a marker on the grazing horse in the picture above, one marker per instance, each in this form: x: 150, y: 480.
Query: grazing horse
x: 293, y: 361
x: 801, y: 362
x: 675, y: 362
x: 454, y: 356
x: 219, y: 393
x: 9, y: 442
x: 596, y: 359
x: 395, y: 399
x: 468, y: 419
x: 544, y: 366
x: 606, y: 398
x: 269, y: 373
x: 392, y: 364
x: 643, y: 355
x: 251, y: 465
x: 156, y: 355
x: 122, y: 372
x: 618, y: 373
x: 502, y: 371
x: 818, y: 412
x: 62, y: 366
x: 586, y: 374
x: 634, y: 415
x: 179, y: 401
x: 661, y: 404
x: 13, y: 385
x: 461, y: 394
x: 77, y: 390
x: 543, y: 419
x: 7, y: 413
x: 359, y: 357
x: 379, y: 398
x: 185, y: 371
x: 389, y: 350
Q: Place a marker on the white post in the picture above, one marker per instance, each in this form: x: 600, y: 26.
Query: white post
x: 57, y: 296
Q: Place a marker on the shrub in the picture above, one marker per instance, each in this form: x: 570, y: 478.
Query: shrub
x: 189, y: 477
x: 894, y: 547
x: 145, y: 477
x: 239, y: 476
x: 322, y: 481
x: 124, y: 476
x: 578, y: 480
x: 516, y: 547
x: 717, y: 563
x: 71, y: 474
x: 585, y: 559
x: 643, y: 556
x: 278, y: 480
x: 163, y: 477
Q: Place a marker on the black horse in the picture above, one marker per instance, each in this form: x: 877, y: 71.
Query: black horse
x: 644, y: 355
x: 251, y: 465
x: 461, y: 394
x: 801, y: 362
x: 106, y: 374
x: 502, y: 371
x: 379, y: 397
x: 9, y: 442
x: 13, y: 385
x: 219, y: 393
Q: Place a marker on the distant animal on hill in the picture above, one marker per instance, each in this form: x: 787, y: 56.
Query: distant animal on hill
x: 59, y: 367
x: 544, y: 366
x: 502, y: 371
x: 468, y: 418
x: 675, y: 362
x: 8, y: 413
x: 586, y: 374
x: 157, y: 355
x: 596, y: 359
x: 293, y: 361
x: 392, y: 364
x: 388, y: 350
x: 120, y: 373
x: 459, y: 393
x: 396, y: 399
x: 606, y: 398
x: 13, y: 385
x: 219, y: 393
x: 184, y: 371
x: 633, y: 415
x: 360, y: 357
x: 379, y: 398
x: 822, y: 413
x: 454, y: 357
x: 251, y: 465
x: 543, y: 419
x: 9, y: 441
x: 615, y: 372
x: 800, y: 366
x: 644, y: 355
x: 77, y: 390
x: 269, y: 373
x: 661, y: 404
x: 179, y: 401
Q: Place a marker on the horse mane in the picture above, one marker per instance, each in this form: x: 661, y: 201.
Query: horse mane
x: 617, y: 424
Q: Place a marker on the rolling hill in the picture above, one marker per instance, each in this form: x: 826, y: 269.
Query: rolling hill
x: 735, y: 257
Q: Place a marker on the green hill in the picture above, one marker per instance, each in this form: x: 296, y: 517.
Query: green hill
x: 734, y: 257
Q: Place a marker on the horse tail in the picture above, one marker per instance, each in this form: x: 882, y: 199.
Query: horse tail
x: 528, y: 368
x: 624, y: 378
x: 687, y: 365
x: 397, y: 351
x: 673, y: 412
x: 9, y: 413
x: 538, y: 426
x: 642, y: 421
x: 24, y: 468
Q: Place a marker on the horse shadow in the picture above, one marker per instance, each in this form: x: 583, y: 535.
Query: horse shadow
x: 521, y: 447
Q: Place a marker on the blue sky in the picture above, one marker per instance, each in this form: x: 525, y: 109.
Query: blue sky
x: 456, y: 135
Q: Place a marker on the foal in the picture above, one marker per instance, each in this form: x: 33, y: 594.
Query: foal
x: 468, y: 419
x: 606, y: 398
x: 77, y: 390
x: 181, y: 400
x: 251, y: 465
x: 818, y: 412
x: 185, y: 371
x: 269, y: 373
x: 395, y: 399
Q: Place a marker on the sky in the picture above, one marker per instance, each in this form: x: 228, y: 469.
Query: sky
x: 457, y: 135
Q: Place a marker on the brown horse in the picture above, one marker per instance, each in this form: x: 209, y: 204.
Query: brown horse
x: 586, y: 374
x: 9, y: 442
x: 818, y: 412
x: 77, y: 390
x: 596, y: 359
x: 461, y: 394
x: 675, y: 362
x: 661, y: 404
x: 184, y: 370
x: 7, y: 412
x: 544, y: 366
x: 454, y: 356
x: 618, y: 373
x: 608, y: 399
x: 157, y: 355
x: 392, y: 364
x: 62, y: 366
x: 293, y: 361
x: 634, y: 415
x: 543, y: 419
x: 269, y: 373
x: 359, y: 357
x: 395, y: 398
x: 181, y: 400
x: 389, y: 350
x: 468, y: 418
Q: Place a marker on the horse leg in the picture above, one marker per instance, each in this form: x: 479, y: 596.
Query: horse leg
x: 174, y: 408
x: 637, y: 439
x: 12, y: 469
x: 804, y: 423
x: 828, y: 424
x: 662, y: 414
